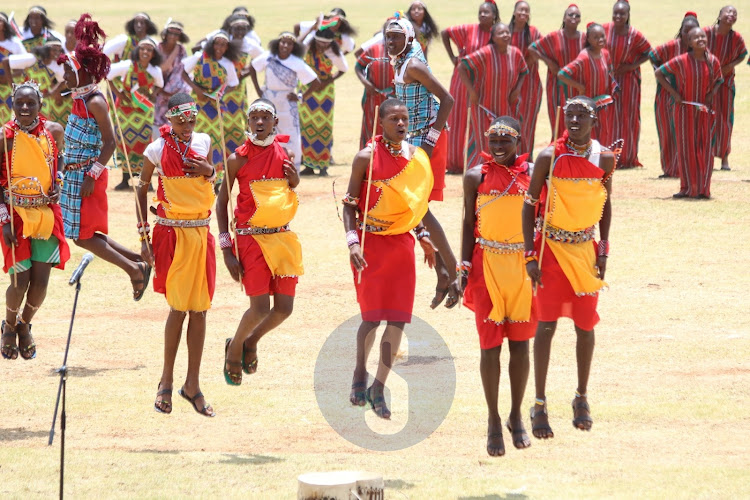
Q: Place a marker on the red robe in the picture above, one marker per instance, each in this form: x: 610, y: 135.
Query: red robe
x: 531, y: 91
x: 627, y: 49
x: 562, y: 50
x: 468, y: 38
x: 693, y: 80
x: 379, y: 71
x: 495, y: 75
x: 726, y: 48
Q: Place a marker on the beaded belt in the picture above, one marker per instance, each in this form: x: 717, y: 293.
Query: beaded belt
x: 28, y: 200
x: 371, y: 229
x: 502, y: 247
x: 182, y: 222
x: 563, y: 236
x: 247, y: 231
x: 78, y: 166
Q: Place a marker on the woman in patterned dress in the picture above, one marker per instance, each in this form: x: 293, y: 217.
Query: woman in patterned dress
x: 121, y: 47
x: 49, y: 75
x: 468, y: 38
x: 37, y: 29
x: 424, y: 26
x: 522, y: 36
x: 172, y: 50
x: 11, y: 51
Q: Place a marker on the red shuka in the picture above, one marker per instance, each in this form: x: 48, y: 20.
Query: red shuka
x: 379, y: 71
x: 531, y: 90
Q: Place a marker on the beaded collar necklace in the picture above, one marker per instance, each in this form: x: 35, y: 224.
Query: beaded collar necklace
x: 29, y: 128
x: 395, y: 148
x: 81, y: 92
x: 583, y: 150
x: 177, y: 142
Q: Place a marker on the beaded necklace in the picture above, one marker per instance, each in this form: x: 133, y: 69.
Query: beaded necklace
x: 578, y: 149
x: 177, y: 142
x: 395, y: 148
x: 81, y: 92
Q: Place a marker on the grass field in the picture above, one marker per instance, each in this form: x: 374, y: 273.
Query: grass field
x: 671, y: 357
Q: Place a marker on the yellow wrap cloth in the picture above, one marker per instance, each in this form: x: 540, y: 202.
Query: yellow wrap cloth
x: 31, y: 175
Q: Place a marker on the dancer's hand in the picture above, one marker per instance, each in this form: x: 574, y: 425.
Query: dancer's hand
x: 290, y: 172
x: 198, y: 166
x: 532, y: 269
x: 146, y: 254
x: 54, y: 195
x: 601, y: 265
x: 356, y: 258
x: 233, y: 265
x: 9, y: 237
x: 429, y: 251
x: 473, y: 97
x: 87, y: 189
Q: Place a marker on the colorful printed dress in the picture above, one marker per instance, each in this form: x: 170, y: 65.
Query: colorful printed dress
x: 693, y: 123
x: 83, y: 217
x: 664, y: 109
x: 235, y: 114
x: 184, y: 249
x: 399, y: 195
x: 571, y: 283
x: 121, y: 47
x: 495, y: 75
x: 376, y: 65
x: 561, y: 49
x: 596, y: 75
x: 171, y: 68
x: 624, y: 50
x: 726, y: 48
x: 135, y: 111
x: 12, y: 49
x: 38, y: 222
x: 468, y: 38
x: 48, y: 77
x: 531, y: 90
x: 31, y: 41
x: 498, y: 289
x: 270, y: 253
x: 282, y: 76
x: 316, y: 112
x: 213, y: 77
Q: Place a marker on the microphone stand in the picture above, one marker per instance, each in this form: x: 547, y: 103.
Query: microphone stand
x: 63, y: 371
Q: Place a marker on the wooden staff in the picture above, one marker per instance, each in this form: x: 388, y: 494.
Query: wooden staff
x: 127, y: 163
x: 369, y: 183
x: 228, y: 180
x: 549, y: 189
x: 10, y: 202
x: 463, y: 196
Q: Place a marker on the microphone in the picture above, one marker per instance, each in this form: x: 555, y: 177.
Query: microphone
x: 85, y: 261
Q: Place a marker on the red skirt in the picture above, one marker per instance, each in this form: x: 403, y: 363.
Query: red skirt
x: 163, y: 245
x: 94, y: 210
x: 256, y: 276
x: 557, y: 298
x: 477, y: 298
x: 389, y: 280
x: 438, y: 161
x: 23, y: 250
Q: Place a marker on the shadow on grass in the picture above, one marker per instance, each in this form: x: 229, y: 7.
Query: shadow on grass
x: 20, y: 434
x: 82, y: 371
x: 398, y: 484
x: 157, y: 452
x: 424, y: 360
x: 509, y: 496
x: 234, y: 459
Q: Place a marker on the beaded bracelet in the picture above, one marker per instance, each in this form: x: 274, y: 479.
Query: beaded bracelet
x: 4, y: 215
x: 603, y: 248
x: 529, y: 200
x: 96, y: 170
x: 143, y: 227
x: 144, y: 237
x: 350, y: 200
x: 352, y: 238
x: 530, y: 255
x: 463, y: 268
x: 225, y: 241
x: 432, y: 137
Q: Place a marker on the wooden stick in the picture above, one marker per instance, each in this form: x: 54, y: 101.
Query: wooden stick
x: 228, y: 180
x: 463, y: 195
x: 10, y: 202
x: 369, y: 183
x: 549, y: 189
x: 127, y: 164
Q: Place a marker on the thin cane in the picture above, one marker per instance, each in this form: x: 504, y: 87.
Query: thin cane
x: 549, y: 191
x: 369, y: 183
x: 463, y: 196
x: 232, y: 222
x: 127, y: 163
x: 10, y: 202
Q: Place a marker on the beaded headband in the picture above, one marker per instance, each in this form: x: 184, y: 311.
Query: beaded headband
x: 401, y: 25
x: 141, y: 14
x: 261, y: 106
x: 29, y: 84
x: 183, y: 111
x: 239, y: 21
x: 173, y: 26
x: 53, y: 41
x: 37, y: 10
x: 147, y: 41
x: 582, y: 103
x: 223, y: 35
x: 502, y: 129
x: 287, y: 35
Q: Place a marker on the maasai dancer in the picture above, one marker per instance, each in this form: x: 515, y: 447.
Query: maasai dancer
x: 692, y: 79
x: 337, y: 22
x: 284, y: 71
x: 137, y: 28
x: 628, y: 49
x: 210, y: 73
x: 663, y: 103
x: 530, y: 100
x: 424, y: 26
x: 498, y: 70
x: 89, y: 144
x: 316, y: 110
x: 172, y: 50
x: 591, y: 74
x: 32, y: 157
x: 400, y: 190
x: 573, y: 265
x: 498, y: 289
x: 557, y: 49
x: 11, y: 51
x: 270, y: 255
x: 37, y: 29
x: 428, y: 104
x: 49, y: 75
x: 234, y: 113
x: 468, y: 38
x: 374, y: 70
x: 183, y: 249
x: 729, y: 47
x: 135, y: 83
